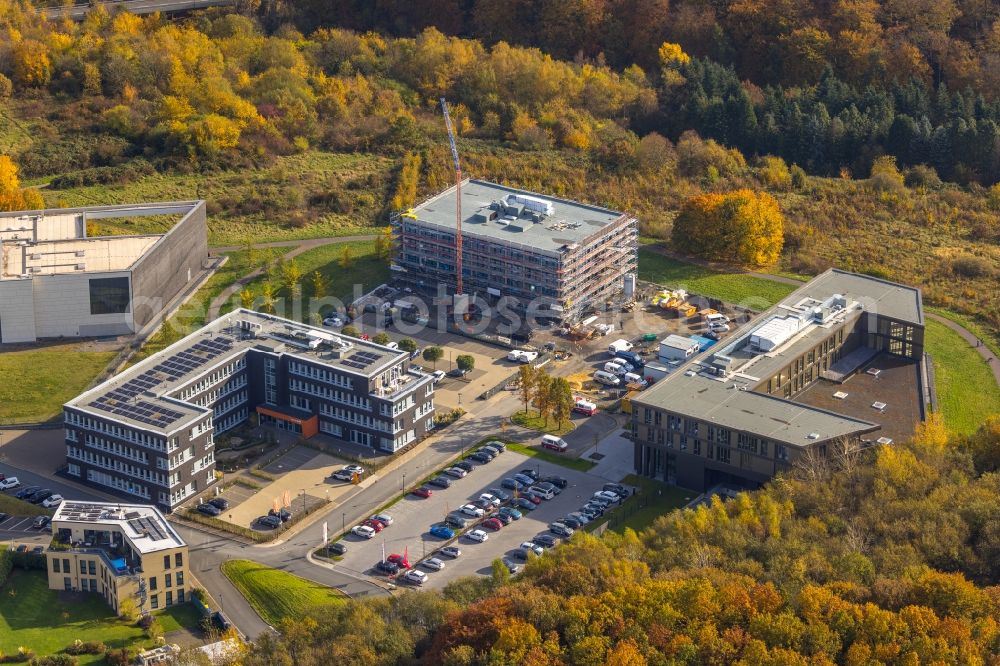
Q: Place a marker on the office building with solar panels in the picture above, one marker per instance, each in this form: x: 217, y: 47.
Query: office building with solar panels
x: 119, y: 551
x: 57, y: 280
x: 149, y: 432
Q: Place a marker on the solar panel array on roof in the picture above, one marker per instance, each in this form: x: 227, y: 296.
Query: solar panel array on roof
x: 361, y: 359
x: 147, y: 526
x: 191, y: 359
x: 81, y: 512
x: 142, y: 411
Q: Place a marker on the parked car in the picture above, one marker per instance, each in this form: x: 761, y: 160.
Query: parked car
x: 544, y: 493
x: 478, y: 535
x: 606, y: 378
x: 466, y: 465
x: 571, y: 522
x: 374, y: 524
x: 38, y: 550
x: 333, y: 322
x: 579, y: 516
x: 592, y: 510
x: 510, y: 511
x: 40, y: 522
x: 473, y: 510
x: 438, y: 375
x: 456, y: 472
x: 434, y: 563
x: 264, y: 521
x: 457, y: 372
x: 484, y: 504
x: 4, y: 516
x: 396, y: 558
x: 209, y: 509
x: 614, y: 498
x: 354, y: 469
x: 283, y: 514
x: 617, y: 489
x: 529, y: 472
x: 496, y: 444
x: 632, y: 359
x: 493, y: 523
x: 556, y: 481
x: 504, y: 518
x: 451, y: 551
x: 221, y: 621
x: 560, y: 529
x: 490, y: 453
x: 457, y: 520
x: 383, y: 518
x: 388, y: 567
x: 440, y: 482
x: 338, y: 548
x: 40, y: 496
x: 343, y: 475
x: 511, y: 484
x: 442, y: 532
x: 546, y: 540
x: 27, y: 492
x: 363, y: 531
x: 616, y: 369
x: 532, y: 496
x: 52, y: 502
x: 532, y: 546
x: 524, y: 503
x: 499, y: 493
x: 415, y: 576
x: 547, y: 485
x: 219, y: 503
x: 23, y: 548
x: 492, y: 499
x: 423, y: 491
x: 585, y: 407
x: 512, y: 566
x: 480, y: 457
x: 9, y: 483
x: 524, y: 479
x: 554, y: 443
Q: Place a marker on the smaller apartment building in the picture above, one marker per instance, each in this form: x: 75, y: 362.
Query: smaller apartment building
x: 119, y: 551
x: 800, y: 377
x: 149, y: 432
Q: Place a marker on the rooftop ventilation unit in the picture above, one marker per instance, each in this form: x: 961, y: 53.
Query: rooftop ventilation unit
x: 529, y: 202
x: 814, y: 435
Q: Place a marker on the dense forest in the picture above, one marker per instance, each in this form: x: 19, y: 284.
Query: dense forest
x: 880, y: 557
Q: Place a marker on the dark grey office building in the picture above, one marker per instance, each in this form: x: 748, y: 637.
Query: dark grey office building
x: 840, y: 359
x: 149, y: 431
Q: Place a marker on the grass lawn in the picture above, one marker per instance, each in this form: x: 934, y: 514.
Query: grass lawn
x: 753, y: 292
x: 532, y: 421
x: 579, y: 464
x: 365, y: 270
x: 15, y: 507
x: 654, y: 500
x: 36, y: 382
x: 275, y: 594
x: 966, y: 390
x: 46, y: 621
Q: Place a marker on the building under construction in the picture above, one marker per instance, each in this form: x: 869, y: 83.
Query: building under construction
x: 566, y: 257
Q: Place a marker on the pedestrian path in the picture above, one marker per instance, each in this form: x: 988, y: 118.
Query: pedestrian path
x: 975, y: 342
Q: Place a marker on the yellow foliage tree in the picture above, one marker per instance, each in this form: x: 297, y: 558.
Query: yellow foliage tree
x: 12, y: 197
x: 742, y: 227
x: 32, y: 66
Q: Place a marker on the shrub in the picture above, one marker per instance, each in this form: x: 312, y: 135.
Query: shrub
x: 55, y: 660
x: 971, y: 266
x: 85, y: 647
x: 798, y: 176
x: 885, y: 176
x: 6, y: 87
x: 922, y: 176
x: 199, y: 594
x: 22, y: 655
x: 774, y: 173
x: 122, y: 657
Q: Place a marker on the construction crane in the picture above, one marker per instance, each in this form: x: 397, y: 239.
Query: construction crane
x: 458, y: 199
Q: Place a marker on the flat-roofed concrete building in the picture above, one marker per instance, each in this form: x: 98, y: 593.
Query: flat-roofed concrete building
x: 562, y: 254
x: 119, y: 551
x: 149, y: 431
x: 56, y: 282
x: 840, y: 358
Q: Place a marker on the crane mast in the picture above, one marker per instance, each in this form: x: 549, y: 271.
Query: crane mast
x: 458, y: 198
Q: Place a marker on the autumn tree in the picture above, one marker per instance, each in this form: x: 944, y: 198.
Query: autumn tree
x: 527, y: 376
x: 543, y: 396
x: 562, y: 400
x: 291, y: 276
x: 247, y: 298
x: 465, y: 362
x: 267, y: 298
x: 743, y: 227
x: 381, y: 339
x: 318, y: 284
x: 12, y: 197
x: 346, y: 257
x: 409, y: 345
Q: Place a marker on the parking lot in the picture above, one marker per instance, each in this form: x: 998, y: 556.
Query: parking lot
x: 413, y: 517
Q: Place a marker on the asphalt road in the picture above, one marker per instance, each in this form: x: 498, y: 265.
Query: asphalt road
x: 78, y: 12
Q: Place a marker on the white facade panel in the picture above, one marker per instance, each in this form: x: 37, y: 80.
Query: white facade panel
x: 17, y: 316
x: 62, y: 307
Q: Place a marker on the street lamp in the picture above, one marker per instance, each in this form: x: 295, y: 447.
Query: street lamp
x: 303, y: 501
x: 402, y: 486
x: 343, y: 522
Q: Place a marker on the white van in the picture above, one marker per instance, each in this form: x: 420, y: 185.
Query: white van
x: 554, y: 443
x: 606, y: 378
x: 619, y: 346
x: 632, y: 378
x: 716, y: 318
x: 615, y: 368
